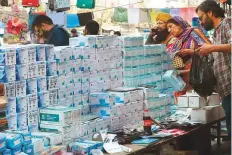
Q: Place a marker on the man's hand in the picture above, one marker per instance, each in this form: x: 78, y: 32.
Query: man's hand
x: 205, y: 49
x: 185, y: 52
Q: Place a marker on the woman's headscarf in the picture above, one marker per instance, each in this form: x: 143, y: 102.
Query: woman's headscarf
x: 191, y: 38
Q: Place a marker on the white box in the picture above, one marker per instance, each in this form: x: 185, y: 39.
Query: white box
x: 32, y: 118
x: 121, y: 97
x: 11, y: 106
x: 21, y: 104
x: 101, y: 98
x: 32, y: 102
x: 40, y: 53
x: 183, y: 101
x: 42, y: 68
x: 7, y: 56
x: 41, y: 84
x: 53, y: 96
x: 20, y: 88
x: 12, y: 121
x: 55, y: 139
x: 207, y: 114
x: 214, y: 99
x: 9, y: 89
x: 31, y: 54
x: 38, y: 144
x: 52, y: 82
x: 7, y: 73
x: 49, y: 51
x: 61, y: 68
x: 22, y: 55
x: 21, y: 72
x: 51, y: 68
x: 32, y: 70
x: 197, y: 102
x: 56, y: 116
x: 22, y: 120
x: 31, y: 86
x: 77, y: 77
x: 43, y: 99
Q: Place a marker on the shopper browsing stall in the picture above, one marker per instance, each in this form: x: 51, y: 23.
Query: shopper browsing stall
x: 212, y: 17
x: 160, y: 34
x: 187, y: 39
x: 91, y: 28
x: 56, y: 35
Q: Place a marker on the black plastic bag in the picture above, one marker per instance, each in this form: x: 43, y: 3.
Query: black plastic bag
x: 201, y: 75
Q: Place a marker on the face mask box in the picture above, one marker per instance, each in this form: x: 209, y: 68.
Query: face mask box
x: 49, y: 52
x: 61, y: 68
x: 31, y: 54
x: 52, y: 82
x: 77, y: 52
x: 38, y: 144
x: 197, y: 102
x: 20, y: 87
x: 77, y: 101
x: 31, y: 86
x: 85, y: 88
x: 85, y: 99
x: 121, y: 97
x: 54, y: 138
x: 7, y: 56
x: 12, y: 121
x: 77, y: 77
x: 176, y: 82
x: 28, y: 149
x: 41, y: 84
x: 56, y: 115
x: 94, y: 87
x: 77, y: 66
x: 69, y: 66
x: 32, y: 102
x: 22, y: 120
x: 88, y: 53
x: 22, y: 55
x: 64, y: 130
x: 85, y: 109
x: 7, y: 73
x: 43, y: 99
x: 9, y: 89
x: 136, y: 95
x: 84, y: 129
x: 51, y: 68
x: 32, y: 70
x: 115, y: 123
x: 11, y: 106
x: 32, y: 119
x: 62, y: 92
x: 21, y: 72
x: 40, y: 53
x: 69, y: 101
x: 89, y: 65
x: 61, y: 54
x: 102, y: 99
x: 21, y: 104
x: 42, y: 68
x: 33, y: 127
x: 53, y: 96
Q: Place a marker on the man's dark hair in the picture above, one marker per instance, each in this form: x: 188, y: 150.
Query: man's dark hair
x: 211, y: 5
x: 74, y: 31
x: 92, y: 27
x: 40, y: 19
x: 117, y: 33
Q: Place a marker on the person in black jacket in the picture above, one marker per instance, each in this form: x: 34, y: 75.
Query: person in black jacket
x: 52, y: 34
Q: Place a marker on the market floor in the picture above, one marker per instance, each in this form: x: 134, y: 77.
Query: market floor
x: 225, y: 147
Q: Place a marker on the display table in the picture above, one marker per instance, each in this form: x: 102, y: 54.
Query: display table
x: 155, y: 147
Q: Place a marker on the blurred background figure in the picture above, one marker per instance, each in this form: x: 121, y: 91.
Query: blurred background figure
x: 74, y: 33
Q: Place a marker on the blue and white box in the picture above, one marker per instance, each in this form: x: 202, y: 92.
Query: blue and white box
x: 42, y: 84
x: 21, y: 72
x: 7, y: 73
x: 6, y: 152
x: 51, y: 68
x: 22, y: 55
x: 52, y: 82
x: 29, y: 149
x: 31, y: 53
x: 42, y: 68
x: 2, y: 142
x: 13, y: 141
x: 101, y: 99
x: 21, y: 104
x: 22, y: 120
x: 40, y: 53
x: 32, y: 119
x: 32, y: 70
x: 43, y: 99
x: 31, y: 86
x: 11, y: 106
x: 49, y: 52
x: 12, y: 121
x: 53, y: 96
x: 7, y: 56
x: 9, y: 89
x: 61, y: 68
x: 172, y: 77
x: 20, y: 88
x: 32, y: 102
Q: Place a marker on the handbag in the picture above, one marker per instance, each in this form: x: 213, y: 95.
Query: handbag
x: 178, y: 62
x: 31, y: 3
x: 88, y: 4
